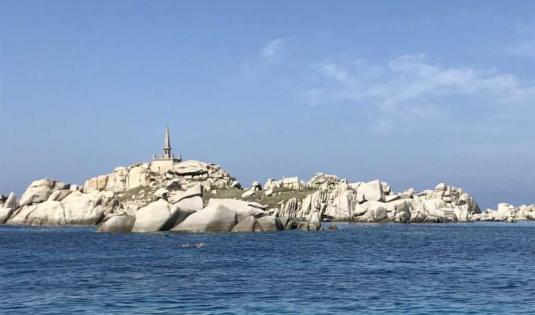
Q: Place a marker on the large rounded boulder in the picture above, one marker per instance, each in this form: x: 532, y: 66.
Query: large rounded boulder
x: 209, y: 219
x: 157, y: 216
x: 39, y: 191
x: 75, y: 209
x: 242, y: 208
x: 118, y: 224
x: 371, y: 191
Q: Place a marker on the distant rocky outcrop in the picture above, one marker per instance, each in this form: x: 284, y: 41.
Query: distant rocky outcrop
x: 507, y: 212
x: 193, y: 196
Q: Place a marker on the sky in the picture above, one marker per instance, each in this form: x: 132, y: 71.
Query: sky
x: 410, y: 92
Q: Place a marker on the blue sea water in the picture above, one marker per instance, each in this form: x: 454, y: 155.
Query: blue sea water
x: 483, y: 268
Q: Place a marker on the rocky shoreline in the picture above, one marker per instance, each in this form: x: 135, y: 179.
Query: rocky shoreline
x: 193, y: 196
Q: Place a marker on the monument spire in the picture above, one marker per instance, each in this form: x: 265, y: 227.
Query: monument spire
x: 162, y: 163
x: 167, y: 145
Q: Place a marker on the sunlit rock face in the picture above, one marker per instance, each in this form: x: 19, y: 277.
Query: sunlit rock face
x: 76, y: 208
x: 375, y: 201
x: 211, y: 176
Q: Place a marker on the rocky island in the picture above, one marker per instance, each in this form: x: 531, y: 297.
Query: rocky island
x: 169, y: 194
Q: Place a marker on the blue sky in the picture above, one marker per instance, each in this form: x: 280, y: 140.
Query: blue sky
x: 411, y: 92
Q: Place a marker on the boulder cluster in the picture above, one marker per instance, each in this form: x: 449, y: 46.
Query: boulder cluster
x: 50, y: 202
x: 193, y: 196
x: 149, y: 174
x: 332, y: 198
x: 507, y: 212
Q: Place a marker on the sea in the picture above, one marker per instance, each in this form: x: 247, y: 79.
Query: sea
x: 475, y: 268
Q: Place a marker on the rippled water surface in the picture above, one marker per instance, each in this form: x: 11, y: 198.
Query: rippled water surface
x: 418, y: 269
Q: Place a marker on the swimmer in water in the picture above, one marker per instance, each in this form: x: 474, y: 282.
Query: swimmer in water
x: 189, y: 245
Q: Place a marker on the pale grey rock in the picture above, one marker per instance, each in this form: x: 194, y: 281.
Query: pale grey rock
x: 117, y: 181
x: 291, y: 225
x: 8, y: 207
x: 270, y: 224
x: 59, y: 195
x: 525, y: 212
x: 179, y: 195
x: 391, y: 198
x: 118, y: 224
x: 303, y: 226
x: 249, y: 224
x: 284, y: 220
x: 137, y: 176
x: 441, y: 187
x: 190, y: 204
x: 161, y: 193
x: 248, y: 193
x: 157, y: 216
x: 290, y: 208
x: 75, y: 209
x: 372, y: 211
x: 379, y: 214
x: 38, y: 191
x: 194, y: 190
x: 403, y: 216
x: 360, y: 210
x: 11, y: 201
x: 5, y: 214
x: 190, y: 168
x: 372, y: 191
x: 407, y: 194
x: 387, y: 189
x: 399, y: 210
x: 434, y: 204
x: 341, y: 203
x: 461, y: 213
x: 398, y: 205
x: 214, y: 218
x: 242, y: 208
x: 256, y: 186
x: 435, y: 219
x: 235, y: 184
x: 173, y: 184
x: 97, y: 183
x: 503, y: 211
x: 437, y: 216
x: 293, y: 183
x: 314, y: 222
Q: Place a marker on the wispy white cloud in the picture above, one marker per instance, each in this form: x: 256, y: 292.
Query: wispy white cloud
x: 273, y: 49
x: 411, y: 87
x: 271, y: 53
